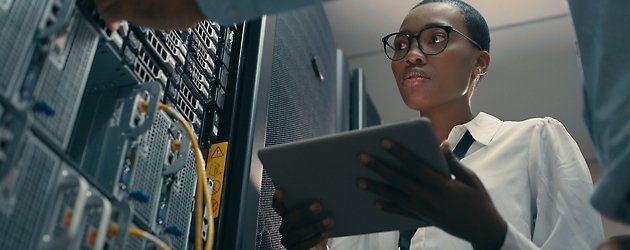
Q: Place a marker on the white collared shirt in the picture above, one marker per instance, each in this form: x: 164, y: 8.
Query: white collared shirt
x: 537, y: 179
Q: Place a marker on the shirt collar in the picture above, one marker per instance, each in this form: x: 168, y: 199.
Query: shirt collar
x: 483, y: 128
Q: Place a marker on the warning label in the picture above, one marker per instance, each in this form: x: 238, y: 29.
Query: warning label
x: 215, y: 170
x: 216, y: 187
x: 217, y: 153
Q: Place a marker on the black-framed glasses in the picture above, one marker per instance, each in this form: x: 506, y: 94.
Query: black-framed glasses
x: 431, y: 41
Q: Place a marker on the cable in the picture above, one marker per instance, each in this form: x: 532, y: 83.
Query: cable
x: 147, y: 236
x: 202, y: 183
x: 136, y: 232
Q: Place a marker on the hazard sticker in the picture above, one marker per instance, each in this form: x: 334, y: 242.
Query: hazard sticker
x: 215, y: 170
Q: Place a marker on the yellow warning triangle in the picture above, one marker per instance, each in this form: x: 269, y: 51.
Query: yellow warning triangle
x: 217, y: 153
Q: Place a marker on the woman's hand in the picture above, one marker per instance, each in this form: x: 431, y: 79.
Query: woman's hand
x: 298, y: 229
x: 460, y: 206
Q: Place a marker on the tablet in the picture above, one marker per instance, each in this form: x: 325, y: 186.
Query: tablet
x: 325, y: 169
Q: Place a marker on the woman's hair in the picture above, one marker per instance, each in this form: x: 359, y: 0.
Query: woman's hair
x: 475, y: 23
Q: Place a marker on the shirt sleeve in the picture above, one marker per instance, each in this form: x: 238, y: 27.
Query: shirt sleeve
x: 227, y: 12
x: 560, y: 185
x: 348, y: 242
x: 514, y: 240
x: 375, y: 241
x: 606, y: 85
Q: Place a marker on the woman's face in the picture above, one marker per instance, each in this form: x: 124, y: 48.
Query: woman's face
x: 437, y: 81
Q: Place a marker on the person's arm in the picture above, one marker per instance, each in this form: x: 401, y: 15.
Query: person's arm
x: 560, y: 185
x: 156, y: 14
x: 183, y: 14
x: 601, y: 29
x: 234, y: 11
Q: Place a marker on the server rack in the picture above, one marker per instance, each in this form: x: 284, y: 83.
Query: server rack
x: 289, y: 93
x: 84, y: 146
x: 363, y: 112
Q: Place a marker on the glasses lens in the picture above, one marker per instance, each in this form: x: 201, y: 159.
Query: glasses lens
x: 396, y: 46
x: 433, y: 40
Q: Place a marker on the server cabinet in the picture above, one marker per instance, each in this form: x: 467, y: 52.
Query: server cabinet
x: 289, y: 91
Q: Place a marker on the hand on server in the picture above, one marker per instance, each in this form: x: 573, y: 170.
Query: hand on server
x: 298, y: 228
x: 156, y: 14
x: 619, y: 242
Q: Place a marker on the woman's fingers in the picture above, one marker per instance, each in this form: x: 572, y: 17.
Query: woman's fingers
x: 461, y: 172
x: 310, y: 242
x: 418, y: 168
x: 297, y: 232
x: 278, y: 204
x: 312, y: 230
x: 389, y: 174
x: 397, y: 178
x: 414, y: 201
x: 296, y: 217
x: 297, y: 229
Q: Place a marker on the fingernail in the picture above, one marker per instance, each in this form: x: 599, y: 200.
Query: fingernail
x: 363, y: 158
x: 326, y: 222
x: 278, y: 193
x: 386, y: 144
x: 315, y: 207
x: 361, y: 184
x: 378, y: 205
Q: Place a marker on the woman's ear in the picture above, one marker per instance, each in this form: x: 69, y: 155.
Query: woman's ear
x: 483, y: 62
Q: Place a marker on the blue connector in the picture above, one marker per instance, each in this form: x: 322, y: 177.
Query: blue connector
x: 140, y: 196
x: 43, y: 107
x: 174, y: 230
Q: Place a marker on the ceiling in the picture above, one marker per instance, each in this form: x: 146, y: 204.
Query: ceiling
x: 534, y: 70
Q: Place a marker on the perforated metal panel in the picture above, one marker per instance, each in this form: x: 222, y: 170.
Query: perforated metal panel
x: 12, y: 126
x: 180, y: 205
x: 147, y: 174
x: 69, y: 199
x: 39, y: 166
x: 92, y: 221
x: 301, y: 104
x: 135, y: 243
x: 62, y: 86
x: 18, y: 24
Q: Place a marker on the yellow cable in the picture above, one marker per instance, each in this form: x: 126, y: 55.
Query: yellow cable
x: 147, y: 236
x: 136, y: 232
x: 112, y: 230
x: 198, y: 214
x: 201, y: 181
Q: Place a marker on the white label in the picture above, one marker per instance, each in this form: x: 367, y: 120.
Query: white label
x: 114, y: 121
x: 215, y: 130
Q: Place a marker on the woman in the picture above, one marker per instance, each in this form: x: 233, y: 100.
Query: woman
x: 525, y: 184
